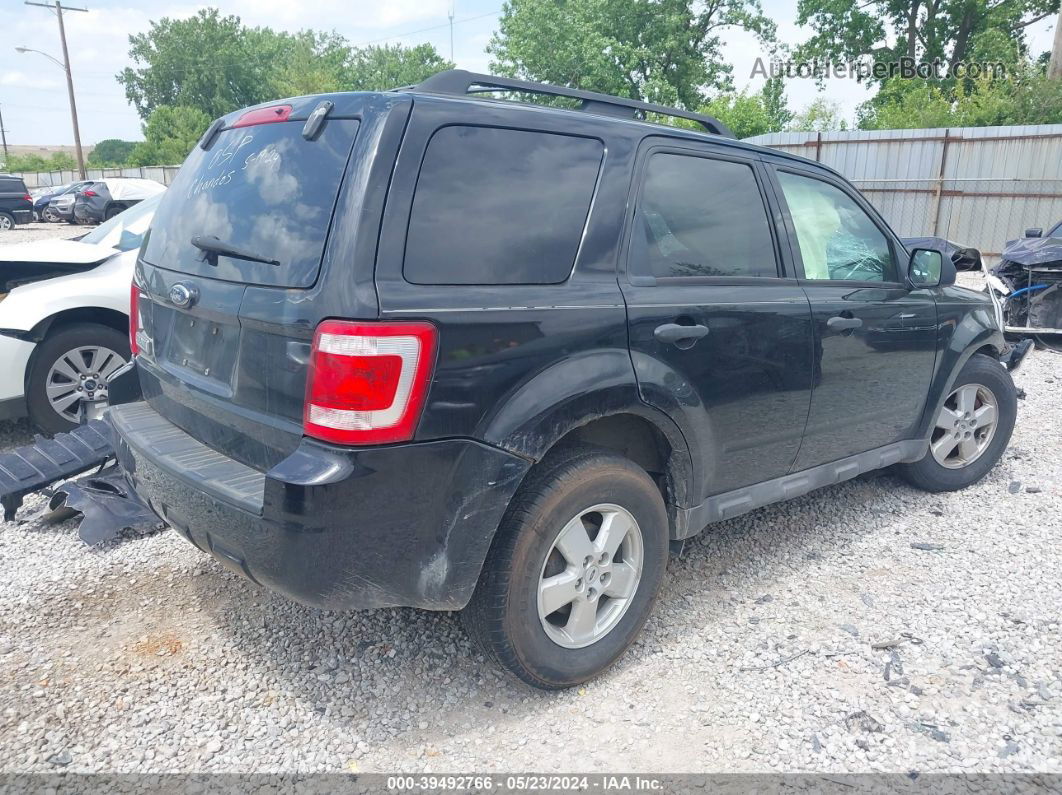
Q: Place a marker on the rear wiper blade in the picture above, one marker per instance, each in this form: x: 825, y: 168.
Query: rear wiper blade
x: 211, y: 244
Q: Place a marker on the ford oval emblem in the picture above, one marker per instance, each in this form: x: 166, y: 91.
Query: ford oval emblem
x: 183, y: 295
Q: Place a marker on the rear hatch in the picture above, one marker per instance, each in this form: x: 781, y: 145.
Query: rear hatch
x: 231, y: 274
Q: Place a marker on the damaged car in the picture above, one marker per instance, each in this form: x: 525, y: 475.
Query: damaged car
x: 1026, y: 287
x: 64, y: 315
x: 437, y: 349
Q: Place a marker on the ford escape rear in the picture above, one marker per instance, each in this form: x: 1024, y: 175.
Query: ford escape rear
x: 429, y: 349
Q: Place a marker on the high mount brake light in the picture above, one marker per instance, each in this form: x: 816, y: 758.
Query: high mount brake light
x: 269, y: 115
x: 367, y: 382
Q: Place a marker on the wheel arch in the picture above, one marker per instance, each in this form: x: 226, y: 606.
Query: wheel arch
x: 976, y: 333
x: 599, y: 410
x: 100, y: 315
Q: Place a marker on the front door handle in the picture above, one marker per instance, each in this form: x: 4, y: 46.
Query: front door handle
x: 683, y: 336
x: 843, y: 323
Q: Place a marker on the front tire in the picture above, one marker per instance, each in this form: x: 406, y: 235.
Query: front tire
x: 971, y: 430
x: 72, y: 363
x: 574, y: 570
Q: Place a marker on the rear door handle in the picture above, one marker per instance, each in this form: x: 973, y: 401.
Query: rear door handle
x: 843, y: 323
x: 676, y: 334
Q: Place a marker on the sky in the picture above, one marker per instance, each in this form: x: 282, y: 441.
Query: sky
x: 33, y: 91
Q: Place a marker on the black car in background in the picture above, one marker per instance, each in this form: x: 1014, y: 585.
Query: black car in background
x: 16, y: 204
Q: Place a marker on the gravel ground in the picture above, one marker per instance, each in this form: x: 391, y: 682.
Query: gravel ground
x: 146, y: 655
x: 27, y: 233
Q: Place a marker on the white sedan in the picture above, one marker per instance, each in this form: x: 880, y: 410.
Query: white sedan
x: 64, y: 320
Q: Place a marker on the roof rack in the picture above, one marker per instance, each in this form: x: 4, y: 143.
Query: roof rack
x: 461, y: 82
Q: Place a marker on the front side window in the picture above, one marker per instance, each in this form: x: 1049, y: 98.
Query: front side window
x: 1056, y: 231
x: 500, y: 206
x: 700, y: 217
x: 837, y: 239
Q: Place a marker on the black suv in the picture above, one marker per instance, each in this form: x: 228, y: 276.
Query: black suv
x: 427, y: 348
x: 16, y: 204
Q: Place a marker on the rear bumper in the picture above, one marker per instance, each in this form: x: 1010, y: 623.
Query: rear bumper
x: 22, y: 216
x: 337, y: 528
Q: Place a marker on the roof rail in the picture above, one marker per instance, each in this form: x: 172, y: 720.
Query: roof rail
x: 460, y: 82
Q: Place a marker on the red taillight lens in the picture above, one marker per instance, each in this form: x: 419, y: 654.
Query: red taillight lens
x: 134, y: 318
x: 367, y: 381
x: 268, y: 115
x: 89, y: 193
x: 28, y: 198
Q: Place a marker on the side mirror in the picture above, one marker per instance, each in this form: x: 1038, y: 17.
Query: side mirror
x: 929, y: 268
x: 1034, y: 232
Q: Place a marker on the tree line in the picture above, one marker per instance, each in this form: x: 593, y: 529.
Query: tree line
x: 187, y: 72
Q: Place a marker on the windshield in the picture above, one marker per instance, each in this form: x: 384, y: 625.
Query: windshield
x: 126, y: 230
x: 1056, y: 231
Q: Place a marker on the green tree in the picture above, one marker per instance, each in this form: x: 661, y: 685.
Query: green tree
x: 57, y: 161
x: 822, y: 115
x: 666, y: 51
x: 311, y: 63
x: 110, y: 152
x: 774, y: 104
x: 745, y: 114
x: 383, y: 68
x: 1027, y: 96
x: 952, y: 30
x: 208, y: 62
x: 169, y: 135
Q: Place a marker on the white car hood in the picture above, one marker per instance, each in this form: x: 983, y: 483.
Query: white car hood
x: 60, y: 252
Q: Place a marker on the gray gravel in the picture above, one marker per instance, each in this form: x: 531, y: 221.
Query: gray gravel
x: 26, y: 233
x: 865, y: 627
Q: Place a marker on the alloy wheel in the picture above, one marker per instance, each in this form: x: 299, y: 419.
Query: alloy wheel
x: 965, y: 426
x: 81, y: 374
x: 5, y: 223
x: 590, y: 576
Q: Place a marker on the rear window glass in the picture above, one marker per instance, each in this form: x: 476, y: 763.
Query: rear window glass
x: 701, y: 217
x: 264, y: 190
x: 497, y: 206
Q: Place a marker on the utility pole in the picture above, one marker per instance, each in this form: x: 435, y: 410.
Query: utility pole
x: 1055, y: 68
x: 451, y: 15
x: 59, y: 8
x: 3, y: 136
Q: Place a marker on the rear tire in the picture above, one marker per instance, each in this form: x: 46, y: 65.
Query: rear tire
x: 7, y: 222
x: 989, y: 390
x: 580, y: 490
x: 64, y: 341
x: 112, y: 211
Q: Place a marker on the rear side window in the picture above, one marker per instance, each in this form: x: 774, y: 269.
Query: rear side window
x: 264, y: 190
x: 497, y: 206
x: 700, y: 217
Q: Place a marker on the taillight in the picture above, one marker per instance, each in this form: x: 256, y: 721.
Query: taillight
x: 268, y: 115
x: 89, y: 193
x: 28, y: 198
x: 134, y: 317
x: 367, y: 381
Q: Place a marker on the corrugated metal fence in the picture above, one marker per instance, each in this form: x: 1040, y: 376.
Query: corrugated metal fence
x: 42, y: 179
x: 976, y: 186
